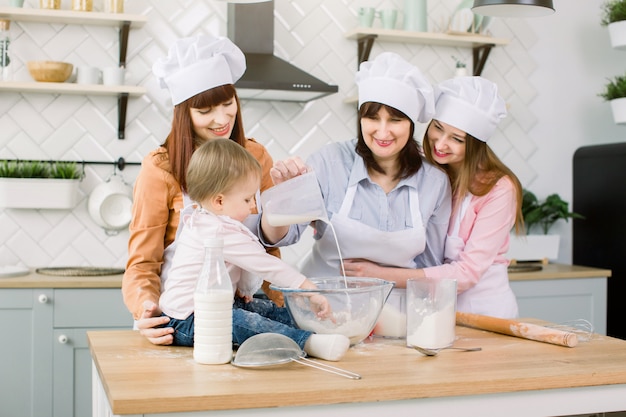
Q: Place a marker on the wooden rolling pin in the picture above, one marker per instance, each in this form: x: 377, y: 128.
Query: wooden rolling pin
x: 518, y: 329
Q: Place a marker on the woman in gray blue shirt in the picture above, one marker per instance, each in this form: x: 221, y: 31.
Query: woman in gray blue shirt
x: 385, y: 202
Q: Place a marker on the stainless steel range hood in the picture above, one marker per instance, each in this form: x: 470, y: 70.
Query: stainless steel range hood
x: 267, y: 77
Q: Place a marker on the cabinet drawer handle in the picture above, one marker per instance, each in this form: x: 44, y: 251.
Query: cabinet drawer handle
x: 63, y: 339
x: 43, y: 298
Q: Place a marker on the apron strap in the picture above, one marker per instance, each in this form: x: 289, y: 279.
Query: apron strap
x: 461, y: 214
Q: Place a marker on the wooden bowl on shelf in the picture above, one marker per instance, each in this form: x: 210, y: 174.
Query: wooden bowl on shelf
x: 50, y: 71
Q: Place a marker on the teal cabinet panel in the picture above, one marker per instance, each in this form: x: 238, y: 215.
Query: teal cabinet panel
x: 25, y: 368
x: 45, y: 365
x: 90, y: 308
x: 564, y: 300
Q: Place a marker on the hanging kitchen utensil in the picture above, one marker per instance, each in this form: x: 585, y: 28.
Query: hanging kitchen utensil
x: 110, y: 204
x: 270, y: 349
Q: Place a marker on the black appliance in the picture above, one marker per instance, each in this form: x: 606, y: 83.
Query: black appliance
x: 599, y: 240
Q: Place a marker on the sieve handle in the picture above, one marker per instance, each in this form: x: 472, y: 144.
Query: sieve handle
x: 327, y: 368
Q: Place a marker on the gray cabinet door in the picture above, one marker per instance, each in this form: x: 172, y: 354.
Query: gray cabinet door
x: 77, y: 311
x: 25, y: 352
x: 564, y: 300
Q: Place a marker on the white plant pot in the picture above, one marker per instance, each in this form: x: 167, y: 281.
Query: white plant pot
x: 617, y: 33
x: 38, y: 193
x: 618, y: 108
x: 533, y: 247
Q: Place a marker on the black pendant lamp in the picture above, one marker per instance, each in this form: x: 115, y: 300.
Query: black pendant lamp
x: 513, y: 8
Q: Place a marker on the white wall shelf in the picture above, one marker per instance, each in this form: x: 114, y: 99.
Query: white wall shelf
x: 122, y: 20
x: 71, y: 17
x: 481, y: 45
x: 71, y: 88
x: 458, y: 39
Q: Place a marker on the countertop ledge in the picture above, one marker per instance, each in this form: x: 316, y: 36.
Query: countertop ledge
x: 35, y: 280
x: 560, y: 271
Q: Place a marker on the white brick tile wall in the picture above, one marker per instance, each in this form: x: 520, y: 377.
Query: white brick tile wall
x: 308, y: 33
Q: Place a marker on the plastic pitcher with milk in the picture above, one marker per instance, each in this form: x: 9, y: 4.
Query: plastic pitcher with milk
x: 297, y: 200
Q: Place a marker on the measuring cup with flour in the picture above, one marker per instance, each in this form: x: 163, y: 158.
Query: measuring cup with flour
x: 431, y: 312
x: 297, y: 200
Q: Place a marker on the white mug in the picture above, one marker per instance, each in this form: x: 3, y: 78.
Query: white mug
x: 389, y: 18
x: 113, y: 75
x: 87, y: 75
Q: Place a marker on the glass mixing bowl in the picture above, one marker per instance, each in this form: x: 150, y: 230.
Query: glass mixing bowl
x: 356, y: 304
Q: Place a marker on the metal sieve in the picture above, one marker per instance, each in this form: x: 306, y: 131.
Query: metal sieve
x: 269, y: 349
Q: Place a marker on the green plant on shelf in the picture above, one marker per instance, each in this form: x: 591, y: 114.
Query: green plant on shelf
x: 615, y: 88
x: 39, y: 169
x: 544, y: 214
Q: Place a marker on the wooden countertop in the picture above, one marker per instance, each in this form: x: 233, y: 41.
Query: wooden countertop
x: 560, y: 271
x: 35, y: 280
x: 139, y: 377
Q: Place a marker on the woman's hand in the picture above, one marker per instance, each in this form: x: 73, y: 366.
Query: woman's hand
x: 148, y: 325
x: 362, y: 268
x: 287, y: 169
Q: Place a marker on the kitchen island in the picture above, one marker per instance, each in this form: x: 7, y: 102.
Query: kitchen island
x: 510, y: 376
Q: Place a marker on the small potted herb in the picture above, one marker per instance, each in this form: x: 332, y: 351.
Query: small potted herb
x: 540, y: 215
x: 614, y: 17
x: 615, y: 93
x: 39, y: 185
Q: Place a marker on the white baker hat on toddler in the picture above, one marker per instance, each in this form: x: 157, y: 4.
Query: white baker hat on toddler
x: 197, y: 64
x: 471, y: 104
x: 390, y: 80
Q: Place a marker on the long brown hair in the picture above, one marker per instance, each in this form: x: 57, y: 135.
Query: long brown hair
x: 480, y: 170
x: 410, y: 156
x: 181, y: 141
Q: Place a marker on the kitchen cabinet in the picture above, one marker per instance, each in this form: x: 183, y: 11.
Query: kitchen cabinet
x: 481, y: 45
x: 122, y: 20
x: 44, y: 358
x: 563, y: 293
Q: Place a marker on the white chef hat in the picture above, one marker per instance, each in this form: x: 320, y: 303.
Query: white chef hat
x: 390, y: 80
x: 197, y: 64
x: 471, y: 104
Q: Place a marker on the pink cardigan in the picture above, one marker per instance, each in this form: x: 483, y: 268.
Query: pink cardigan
x: 485, y: 229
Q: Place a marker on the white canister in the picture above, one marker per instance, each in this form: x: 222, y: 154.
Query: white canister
x: 87, y: 75
x: 113, y: 75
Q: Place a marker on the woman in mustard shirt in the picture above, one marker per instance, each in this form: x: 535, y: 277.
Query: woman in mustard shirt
x: 199, y: 73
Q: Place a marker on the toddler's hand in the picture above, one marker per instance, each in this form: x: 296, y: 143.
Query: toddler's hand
x: 321, y: 307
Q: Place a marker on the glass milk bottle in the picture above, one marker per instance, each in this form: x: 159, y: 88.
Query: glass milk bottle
x: 213, y: 308
x: 5, y: 60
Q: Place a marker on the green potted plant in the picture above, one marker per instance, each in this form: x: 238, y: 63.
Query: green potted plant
x: 615, y: 93
x: 614, y: 17
x: 39, y: 185
x: 540, y: 216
